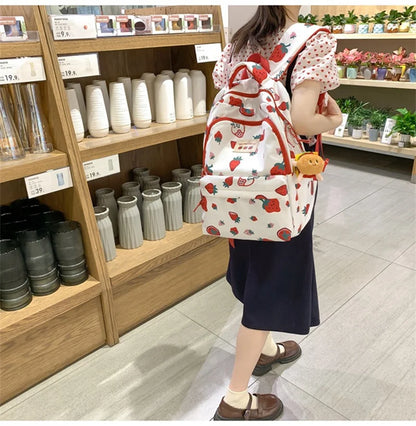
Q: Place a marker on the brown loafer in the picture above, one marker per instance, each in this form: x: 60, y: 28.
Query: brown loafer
x: 269, y: 407
x: 265, y: 363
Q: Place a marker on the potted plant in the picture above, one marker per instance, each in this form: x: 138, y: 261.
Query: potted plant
x: 340, y: 60
x: 405, y: 125
x: 327, y: 21
x: 378, y: 20
x: 356, y: 120
x: 338, y: 22
x: 367, y: 67
x: 377, y: 120
x: 393, y: 21
x: 412, y: 27
x: 397, y: 63
x: 352, y: 60
x: 382, y: 60
x: 351, y: 20
x: 410, y: 62
x: 308, y: 19
x: 364, y: 25
x: 405, y: 20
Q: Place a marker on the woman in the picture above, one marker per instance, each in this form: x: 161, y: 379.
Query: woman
x: 288, y: 303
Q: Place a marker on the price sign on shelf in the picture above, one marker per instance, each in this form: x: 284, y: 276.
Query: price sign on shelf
x: 386, y: 138
x: 339, y: 131
x: 47, y: 182
x: 21, y: 70
x: 210, y: 52
x: 101, y: 167
x: 75, y: 66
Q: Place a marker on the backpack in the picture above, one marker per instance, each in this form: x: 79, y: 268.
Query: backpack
x: 249, y: 188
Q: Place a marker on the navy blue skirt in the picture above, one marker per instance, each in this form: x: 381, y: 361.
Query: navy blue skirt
x: 276, y: 283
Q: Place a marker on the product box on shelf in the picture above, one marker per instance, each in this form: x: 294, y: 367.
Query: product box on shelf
x: 124, y: 25
x: 70, y: 27
x: 160, y: 24
x: 191, y: 23
x: 106, y: 25
x: 142, y: 25
x: 176, y: 23
x: 205, y: 22
x: 12, y: 28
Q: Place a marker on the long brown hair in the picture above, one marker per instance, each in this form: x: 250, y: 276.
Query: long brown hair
x: 265, y: 21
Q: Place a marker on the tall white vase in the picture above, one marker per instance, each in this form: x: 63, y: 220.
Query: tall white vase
x: 149, y: 78
x: 127, y: 88
x: 199, y: 92
x: 119, y: 109
x: 164, y: 99
x: 187, y: 70
x: 183, y: 96
x: 142, y: 115
x: 97, y: 116
x: 81, y: 102
x: 102, y: 84
x: 75, y: 114
x: 169, y: 73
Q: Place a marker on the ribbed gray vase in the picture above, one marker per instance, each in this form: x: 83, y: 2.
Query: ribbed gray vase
x: 105, y: 228
x: 196, y: 170
x: 130, y: 226
x: 151, y: 182
x: 139, y: 173
x: 153, y: 217
x: 172, y: 205
x: 181, y: 175
x: 105, y: 197
x: 133, y: 188
x: 192, y: 199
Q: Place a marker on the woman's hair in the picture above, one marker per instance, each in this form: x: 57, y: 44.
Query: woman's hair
x: 265, y: 21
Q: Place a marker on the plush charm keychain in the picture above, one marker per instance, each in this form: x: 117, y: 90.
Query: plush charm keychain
x: 310, y: 165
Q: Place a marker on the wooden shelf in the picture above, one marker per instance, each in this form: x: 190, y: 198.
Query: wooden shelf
x: 378, y: 83
x: 129, y: 264
x: 32, y: 164
x: 365, y: 144
x: 372, y: 36
x: 134, y: 42
x: 14, y: 49
x: 114, y: 143
x: 44, y: 308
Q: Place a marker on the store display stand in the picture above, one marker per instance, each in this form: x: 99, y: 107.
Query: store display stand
x: 56, y: 330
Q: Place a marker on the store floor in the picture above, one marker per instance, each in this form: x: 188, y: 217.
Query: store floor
x: 359, y: 364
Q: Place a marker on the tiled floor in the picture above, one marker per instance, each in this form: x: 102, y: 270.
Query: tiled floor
x: 359, y: 364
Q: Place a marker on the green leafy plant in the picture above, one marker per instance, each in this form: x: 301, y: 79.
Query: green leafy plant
x: 406, y: 15
x: 405, y: 122
x: 365, y: 19
x: 394, y: 16
x: 351, y: 18
x: 379, y: 17
x: 326, y: 20
x: 413, y: 17
x: 308, y: 19
x: 338, y: 19
x: 377, y: 119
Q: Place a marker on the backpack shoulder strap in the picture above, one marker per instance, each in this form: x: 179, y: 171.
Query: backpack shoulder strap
x: 290, y: 45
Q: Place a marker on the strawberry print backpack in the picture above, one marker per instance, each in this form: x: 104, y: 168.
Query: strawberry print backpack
x: 249, y: 189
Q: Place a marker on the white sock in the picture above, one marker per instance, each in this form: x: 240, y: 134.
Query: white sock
x: 270, y: 347
x: 239, y: 399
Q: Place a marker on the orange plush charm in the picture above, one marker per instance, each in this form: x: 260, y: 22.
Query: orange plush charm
x: 310, y: 165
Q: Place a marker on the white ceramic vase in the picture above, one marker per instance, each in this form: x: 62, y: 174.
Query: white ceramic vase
x: 77, y: 124
x: 142, y: 115
x: 199, y: 92
x: 164, y: 99
x: 149, y: 78
x: 119, y: 109
x: 169, y: 73
x: 102, y: 84
x: 81, y: 102
x: 127, y: 88
x: 97, y: 116
x: 183, y: 96
x: 187, y: 70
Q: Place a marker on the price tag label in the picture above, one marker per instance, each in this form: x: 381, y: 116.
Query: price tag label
x: 22, y: 70
x: 47, y: 182
x: 386, y: 138
x: 101, y: 167
x: 339, y: 131
x: 207, y: 52
x: 76, y: 66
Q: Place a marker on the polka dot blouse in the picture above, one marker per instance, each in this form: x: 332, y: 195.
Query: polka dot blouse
x: 315, y: 62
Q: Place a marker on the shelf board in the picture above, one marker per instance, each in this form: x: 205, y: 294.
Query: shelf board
x: 365, y: 144
x: 372, y: 36
x: 378, y: 83
x: 129, y: 264
x: 32, y: 164
x: 92, y: 148
x: 134, y: 42
x: 15, y: 49
x: 44, y: 308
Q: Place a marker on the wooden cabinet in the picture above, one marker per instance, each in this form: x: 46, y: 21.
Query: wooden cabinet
x: 139, y: 283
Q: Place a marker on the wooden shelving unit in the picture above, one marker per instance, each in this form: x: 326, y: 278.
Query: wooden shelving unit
x: 372, y: 36
x: 381, y: 84
x: 56, y: 330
